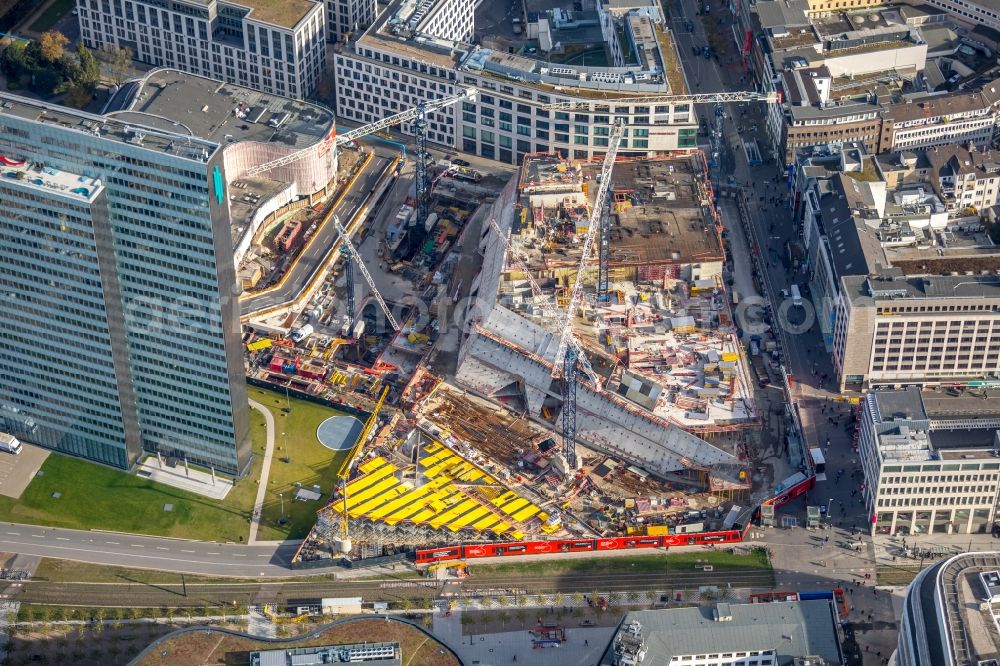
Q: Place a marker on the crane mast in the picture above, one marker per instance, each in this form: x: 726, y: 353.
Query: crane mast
x: 354, y: 257
x: 566, y: 355
x: 549, y: 311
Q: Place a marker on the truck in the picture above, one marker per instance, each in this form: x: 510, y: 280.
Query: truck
x: 300, y: 334
x: 9, y: 443
x: 759, y: 371
x: 796, y: 295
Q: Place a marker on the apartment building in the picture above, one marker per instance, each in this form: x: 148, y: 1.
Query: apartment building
x: 968, y: 179
x: 961, y: 117
x: 117, y: 265
x: 931, y: 462
x: 345, y: 17
x: 419, y: 51
x: 277, y: 48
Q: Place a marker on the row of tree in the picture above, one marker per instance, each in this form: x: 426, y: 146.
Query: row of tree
x: 47, y: 68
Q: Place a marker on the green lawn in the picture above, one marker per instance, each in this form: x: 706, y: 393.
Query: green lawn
x: 52, y: 14
x: 309, y: 462
x: 720, y: 559
x: 98, y: 497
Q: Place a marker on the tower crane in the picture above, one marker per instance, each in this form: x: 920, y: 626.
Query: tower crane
x: 354, y: 258
x: 549, y: 310
x: 333, y: 141
x: 566, y: 354
x: 717, y: 98
x: 344, y: 473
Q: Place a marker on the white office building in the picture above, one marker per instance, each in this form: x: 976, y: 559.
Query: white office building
x: 421, y: 50
x: 930, y: 462
x: 345, y: 17
x: 276, y: 48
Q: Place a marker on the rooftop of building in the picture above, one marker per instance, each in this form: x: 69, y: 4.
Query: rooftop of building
x: 929, y: 106
x: 282, y: 13
x: 961, y: 403
x: 664, y: 219
x: 653, y: 67
x: 905, y: 404
x: 371, y: 654
x: 171, y: 142
x: 792, y: 629
x: 223, y: 113
x: 952, y: 591
x: 782, y: 13
x: 35, y: 175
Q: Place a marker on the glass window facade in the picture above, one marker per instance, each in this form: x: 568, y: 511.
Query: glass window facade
x: 121, y: 301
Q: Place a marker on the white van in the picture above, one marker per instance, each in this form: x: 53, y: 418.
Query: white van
x: 9, y: 443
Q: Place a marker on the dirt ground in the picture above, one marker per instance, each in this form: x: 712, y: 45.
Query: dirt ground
x: 203, y: 648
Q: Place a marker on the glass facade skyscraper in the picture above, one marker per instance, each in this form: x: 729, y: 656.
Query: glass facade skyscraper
x: 118, y: 309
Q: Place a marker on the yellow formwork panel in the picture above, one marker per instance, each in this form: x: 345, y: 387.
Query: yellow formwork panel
x: 504, y: 498
x: 378, y: 499
x: 486, y: 523
x: 526, y: 512
x: 410, y: 502
x: 467, y: 519
x: 451, y: 514
x: 471, y: 475
x: 357, y: 499
x: 517, y: 534
x: 549, y: 529
x: 368, y: 480
x: 500, y: 528
x: 423, y: 516
x: 380, y: 512
x: 373, y: 464
x: 433, y: 447
x: 431, y: 460
x: 513, y: 506
x: 441, y: 465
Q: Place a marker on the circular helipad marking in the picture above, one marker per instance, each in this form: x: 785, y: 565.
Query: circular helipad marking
x: 338, y: 433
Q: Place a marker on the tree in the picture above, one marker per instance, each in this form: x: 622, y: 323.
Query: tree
x: 44, y: 81
x: 504, y: 618
x: 559, y: 598
x: 90, y: 69
x: 578, y: 598
x: 651, y: 595
x: 53, y: 46
x: 119, y: 62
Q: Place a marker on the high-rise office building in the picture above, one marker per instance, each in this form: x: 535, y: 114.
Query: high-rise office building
x: 117, y: 285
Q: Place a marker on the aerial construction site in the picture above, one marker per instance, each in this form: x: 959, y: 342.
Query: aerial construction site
x: 482, y: 444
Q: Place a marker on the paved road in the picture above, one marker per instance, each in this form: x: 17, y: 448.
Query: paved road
x: 325, y: 238
x: 194, y: 557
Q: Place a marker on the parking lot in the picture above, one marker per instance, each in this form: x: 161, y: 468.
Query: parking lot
x: 17, y: 471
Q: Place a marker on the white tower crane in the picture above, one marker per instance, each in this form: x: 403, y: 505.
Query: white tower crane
x: 566, y: 354
x: 550, y: 312
x: 331, y: 142
x: 356, y: 258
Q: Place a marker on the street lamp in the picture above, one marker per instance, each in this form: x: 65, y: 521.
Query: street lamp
x: 281, y: 497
